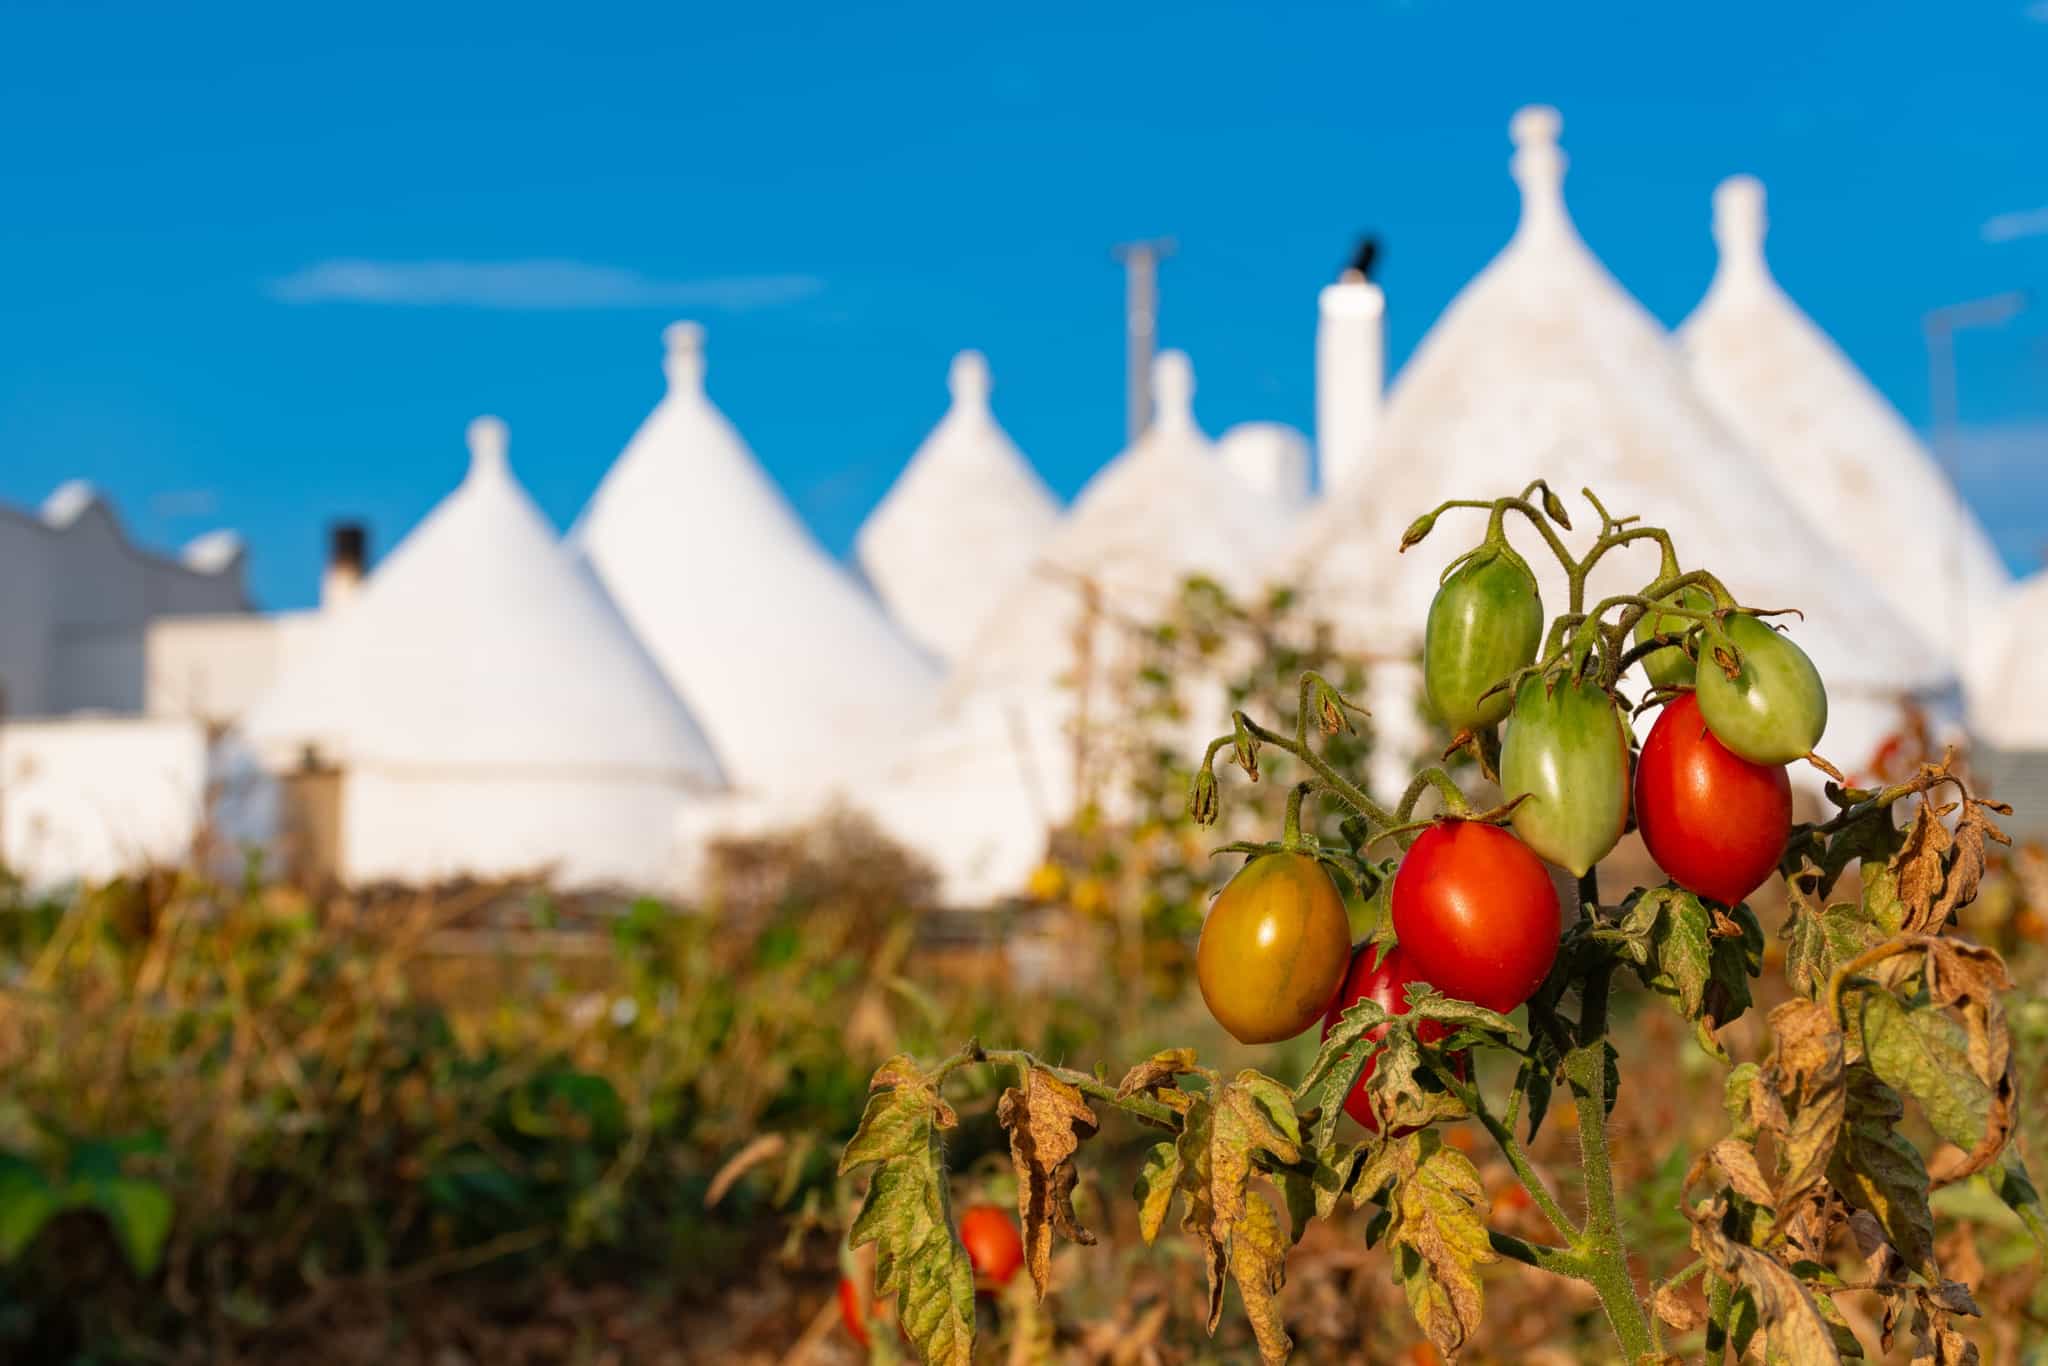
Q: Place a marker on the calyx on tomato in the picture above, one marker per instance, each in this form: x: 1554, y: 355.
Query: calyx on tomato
x: 1671, y: 667
x: 1713, y: 820
x: 1565, y: 754
x: 1774, y: 708
x: 1274, y: 948
x: 1476, y: 913
x: 1484, y: 623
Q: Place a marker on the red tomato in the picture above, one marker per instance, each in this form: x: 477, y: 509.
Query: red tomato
x: 849, y: 1310
x: 1388, y: 985
x: 990, y: 1236
x: 1713, y: 820
x: 1476, y: 913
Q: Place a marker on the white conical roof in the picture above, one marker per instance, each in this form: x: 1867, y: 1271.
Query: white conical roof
x: 961, y: 524
x: 790, y: 665
x: 1164, y: 509
x: 1842, y: 452
x: 479, y: 646
x: 1544, y: 366
x: 1272, y: 459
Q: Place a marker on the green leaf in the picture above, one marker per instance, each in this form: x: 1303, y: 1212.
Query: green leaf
x: 27, y: 1202
x: 1698, y: 956
x: 907, y: 1213
x: 1925, y: 1054
x: 140, y: 1212
x: 1877, y: 1169
x: 2010, y: 1180
x: 1336, y: 1069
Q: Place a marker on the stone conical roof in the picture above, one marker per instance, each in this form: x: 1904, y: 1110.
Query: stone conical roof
x: 962, y: 523
x: 788, y: 662
x: 1842, y: 453
x: 479, y: 646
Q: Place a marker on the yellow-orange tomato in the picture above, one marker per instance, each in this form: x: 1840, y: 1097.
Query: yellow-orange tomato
x: 1274, y: 948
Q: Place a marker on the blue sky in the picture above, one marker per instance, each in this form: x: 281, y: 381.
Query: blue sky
x: 846, y: 199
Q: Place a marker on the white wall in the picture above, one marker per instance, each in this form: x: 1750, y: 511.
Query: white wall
x: 217, y: 667
x: 593, y: 829
x: 91, y: 798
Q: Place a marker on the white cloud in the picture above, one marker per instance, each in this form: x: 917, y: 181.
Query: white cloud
x: 537, y: 284
x: 2010, y: 227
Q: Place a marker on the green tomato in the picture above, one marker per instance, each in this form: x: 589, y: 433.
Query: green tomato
x: 1567, y: 747
x: 1484, y: 623
x: 1774, y: 710
x: 1671, y: 667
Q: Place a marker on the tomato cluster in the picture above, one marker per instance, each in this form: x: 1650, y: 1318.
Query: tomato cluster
x: 1474, y: 911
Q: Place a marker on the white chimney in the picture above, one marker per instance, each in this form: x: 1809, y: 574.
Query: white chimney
x: 1351, y: 360
x: 348, y: 552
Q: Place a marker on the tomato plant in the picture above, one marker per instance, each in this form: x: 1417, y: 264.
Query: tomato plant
x: 1274, y: 948
x: 1816, y: 1189
x: 1564, y: 761
x: 1476, y: 913
x: 1769, y: 706
x: 1384, y: 980
x: 1713, y: 820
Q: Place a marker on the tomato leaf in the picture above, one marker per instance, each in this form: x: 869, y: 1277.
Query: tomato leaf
x: 1878, y: 1170
x: 907, y: 1212
x: 1212, y: 1167
x: 1795, y: 1326
x: 1157, y: 1181
x: 1434, y: 1231
x: 1336, y: 1069
x: 1258, y: 1262
x: 1046, y: 1119
x: 1806, y: 1070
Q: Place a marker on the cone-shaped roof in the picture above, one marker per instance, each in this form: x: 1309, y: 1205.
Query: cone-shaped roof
x: 1544, y: 366
x: 960, y: 525
x: 787, y: 661
x: 1166, y: 508
x: 480, y: 646
x: 1844, y: 454
x: 1272, y: 459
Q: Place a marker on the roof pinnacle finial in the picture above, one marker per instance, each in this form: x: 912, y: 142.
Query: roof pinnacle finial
x: 968, y: 379
x: 1739, y: 220
x: 1538, y: 163
x: 1173, y: 389
x: 684, y: 363
x: 487, y: 441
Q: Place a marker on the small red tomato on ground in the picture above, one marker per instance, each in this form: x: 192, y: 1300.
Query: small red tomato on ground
x: 1386, y: 983
x: 1713, y: 820
x: 1476, y: 913
x: 993, y: 1246
x: 849, y: 1310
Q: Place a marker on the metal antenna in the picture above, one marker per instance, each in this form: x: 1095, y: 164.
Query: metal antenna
x: 1141, y: 327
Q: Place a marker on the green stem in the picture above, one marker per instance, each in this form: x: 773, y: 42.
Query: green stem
x: 1556, y: 1260
x: 1346, y: 791
x: 1504, y: 1138
x: 1454, y: 797
x: 1720, y: 1301
x: 1290, y: 821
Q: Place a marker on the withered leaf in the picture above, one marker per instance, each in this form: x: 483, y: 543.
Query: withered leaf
x: 1679, y: 1308
x: 1743, y: 1172
x: 1806, y: 1071
x: 1046, y: 1119
x: 1919, y: 868
x: 1157, y: 1181
x: 1435, y: 1234
x: 1212, y: 1166
x: 1258, y: 1262
x: 1797, y: 1329
x: 1156, y: 1072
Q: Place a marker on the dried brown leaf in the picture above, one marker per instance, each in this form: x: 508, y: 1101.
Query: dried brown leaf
x: 1680, y: 1308
x: 1806, y: 1071
x: 1258, y: 1262
x: 1046, y: 1119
